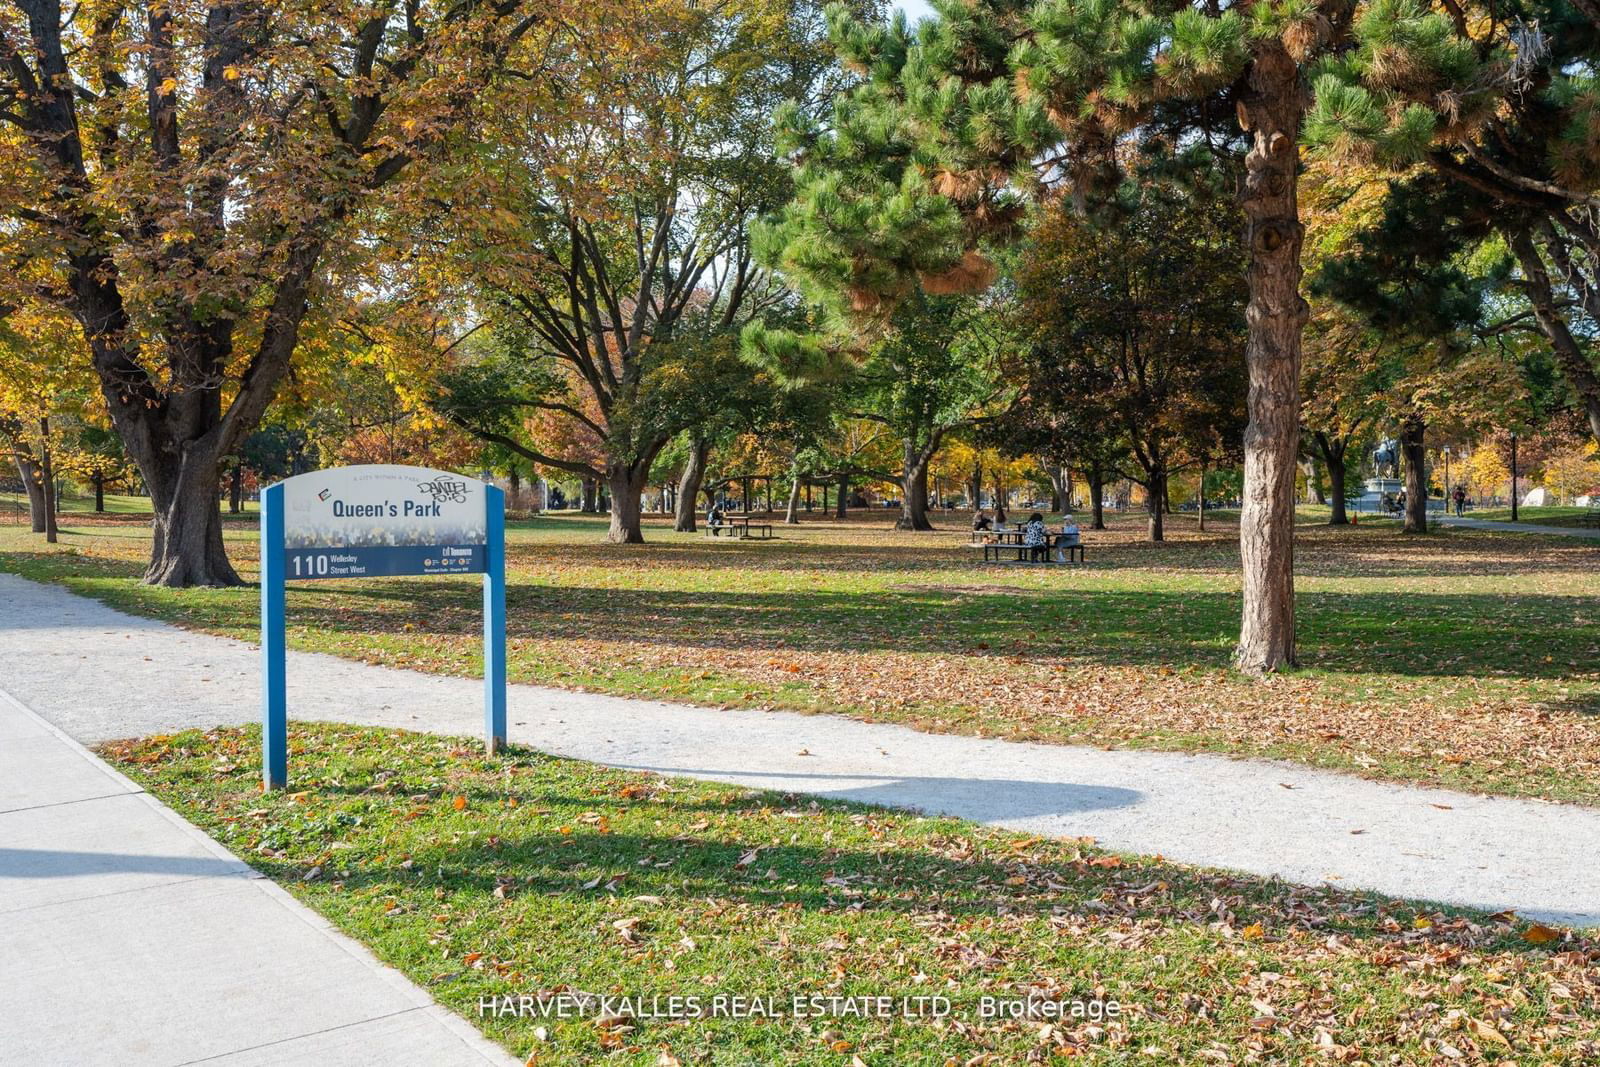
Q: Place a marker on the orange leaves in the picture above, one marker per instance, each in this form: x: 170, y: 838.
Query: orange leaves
x: 1540, y: 934
x: 459, y: 803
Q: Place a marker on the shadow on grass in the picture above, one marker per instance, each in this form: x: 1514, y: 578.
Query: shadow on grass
x: 584, y: 867
x: 1002, y: 798
x: 1531, y: 636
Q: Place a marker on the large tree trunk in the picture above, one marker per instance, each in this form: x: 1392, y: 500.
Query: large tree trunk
x: 99, y: 480
x: 913, y: 490
x: 187, y: 548
x: 791, y: 514
x: 627, y: 483
x: 1155, y: 499
x: 590, y: 501
x: 975, y: 486
x: 1060, y: 488
x: 1411, y: 447
x: 1272, y: 109
x: 1097, y: 490
x: 33, y: 483
x: 694, y: 472
x: 236, y: 490
x: 1333, y: 459
x: 841, y: 504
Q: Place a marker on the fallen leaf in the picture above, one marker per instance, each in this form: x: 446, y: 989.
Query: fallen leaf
x: 1540, y: 934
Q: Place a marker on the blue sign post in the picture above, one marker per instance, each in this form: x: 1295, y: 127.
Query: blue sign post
x: 372, y: 521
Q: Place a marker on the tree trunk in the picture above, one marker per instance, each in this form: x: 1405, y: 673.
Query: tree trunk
x: 99, y: 492
x: 187, y: 548
x: 844, y: 496
x: 1314, y: 493
x: 1333, y: 459
x: 1060, y: 489
x: 627, y: 482
x: 1202, y: 496
x: 47, y: 479
x: 1097, y: 490
x: 33, y: 483
x: 514, y: 484
x: 975, y: 487
x: 236, y: 490
x: 791, y: 515
x: 591, y: 496
x: 1155, y: 499
x: 1272, y: 109
x: 694, y: 472
x: 913, y: 490
x: 1411, y: 447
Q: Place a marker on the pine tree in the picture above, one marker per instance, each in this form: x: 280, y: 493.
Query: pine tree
x: 955, y: 125
x: 1500, y: 112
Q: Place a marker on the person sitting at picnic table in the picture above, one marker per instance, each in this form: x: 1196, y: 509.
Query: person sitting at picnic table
x: 980, y: 521
x: 714, y: 516
x: 1033, y: 537
x: 1069, y: 535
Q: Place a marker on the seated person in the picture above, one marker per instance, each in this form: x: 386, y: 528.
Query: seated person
x: 980, y: 521
x: 714, y: 516
x: 1069, y: 535
x: 1033, y: 537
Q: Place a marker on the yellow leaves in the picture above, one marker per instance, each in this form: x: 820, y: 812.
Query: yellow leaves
x: 231, y: 74
x: 1253, y: 932
x: 167, y: 87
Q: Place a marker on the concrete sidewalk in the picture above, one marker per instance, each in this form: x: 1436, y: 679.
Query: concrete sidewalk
x: 100, y: 674
x: 127, y: 936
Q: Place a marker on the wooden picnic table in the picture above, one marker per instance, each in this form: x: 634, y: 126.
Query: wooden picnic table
x: 744, y: 524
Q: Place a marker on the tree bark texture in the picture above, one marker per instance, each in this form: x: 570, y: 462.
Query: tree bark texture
x: 1272, y: 108
x: 694, y: 472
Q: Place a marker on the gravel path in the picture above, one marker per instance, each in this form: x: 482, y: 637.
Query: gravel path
x: 100, y: 674
x: 1586, y: 532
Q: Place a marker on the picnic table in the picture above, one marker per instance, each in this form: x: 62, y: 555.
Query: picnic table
x: 740, y: 526
x: 1009, y: 536
x: 997, y: 545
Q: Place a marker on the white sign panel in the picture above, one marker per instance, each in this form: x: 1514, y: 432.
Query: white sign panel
x: 368, y: 521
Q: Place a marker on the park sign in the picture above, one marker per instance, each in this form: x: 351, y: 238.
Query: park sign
x: 377, y: 521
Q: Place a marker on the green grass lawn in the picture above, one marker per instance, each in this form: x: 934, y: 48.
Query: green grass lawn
x: 1542, y: 516
x: 117, y: 505
x: 523, y: 875
x: 1464, y: 658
